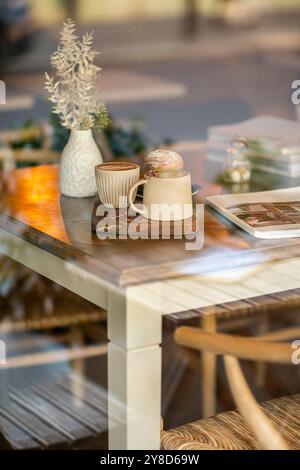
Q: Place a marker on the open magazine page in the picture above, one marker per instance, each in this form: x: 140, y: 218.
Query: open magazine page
x: 267, y: 214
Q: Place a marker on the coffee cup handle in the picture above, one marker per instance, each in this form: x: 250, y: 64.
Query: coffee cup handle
x: 130, y: 197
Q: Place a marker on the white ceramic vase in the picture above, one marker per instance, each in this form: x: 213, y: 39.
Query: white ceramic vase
x: 77, y: 165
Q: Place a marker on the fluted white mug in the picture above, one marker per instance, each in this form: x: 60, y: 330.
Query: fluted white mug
x: 114, y: 179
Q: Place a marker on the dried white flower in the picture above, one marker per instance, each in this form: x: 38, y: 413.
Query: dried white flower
x: 74, y: 93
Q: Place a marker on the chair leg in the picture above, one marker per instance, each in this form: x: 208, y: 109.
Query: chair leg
x: 209, y: 372
x: 261, y: 368
x: 77, y: 340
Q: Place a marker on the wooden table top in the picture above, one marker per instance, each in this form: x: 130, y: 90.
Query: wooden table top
x: 32, y: 208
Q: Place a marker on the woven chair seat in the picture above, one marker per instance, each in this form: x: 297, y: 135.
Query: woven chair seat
x: 29, y: 301
x: 65, y: 312
x: 228, y: 431
x: 32, y: 302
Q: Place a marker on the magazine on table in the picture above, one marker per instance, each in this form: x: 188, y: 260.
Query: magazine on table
x: 266, y: 214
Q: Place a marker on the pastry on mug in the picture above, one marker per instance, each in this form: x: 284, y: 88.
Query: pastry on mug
x: 163, y: 159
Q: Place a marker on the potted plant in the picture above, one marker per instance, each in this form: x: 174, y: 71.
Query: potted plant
x: 74, y: 95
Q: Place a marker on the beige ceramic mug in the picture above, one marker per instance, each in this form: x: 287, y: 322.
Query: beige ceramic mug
x: 166, y: 198
x: 114, y: 179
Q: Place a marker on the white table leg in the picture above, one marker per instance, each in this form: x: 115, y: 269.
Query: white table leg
x: 134, y: 372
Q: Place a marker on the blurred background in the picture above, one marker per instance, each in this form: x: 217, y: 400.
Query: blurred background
x: 178, y: 66
x: 171, y: 69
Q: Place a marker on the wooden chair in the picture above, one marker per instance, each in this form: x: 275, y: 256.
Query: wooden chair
x: 57, y: 407
x: 30, y: 302
x: 35, y: 312
x: 9, y: 157
x: 272, y: 425
x: 256, y: 313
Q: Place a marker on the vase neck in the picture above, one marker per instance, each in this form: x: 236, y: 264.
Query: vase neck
x: 81, y: 134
